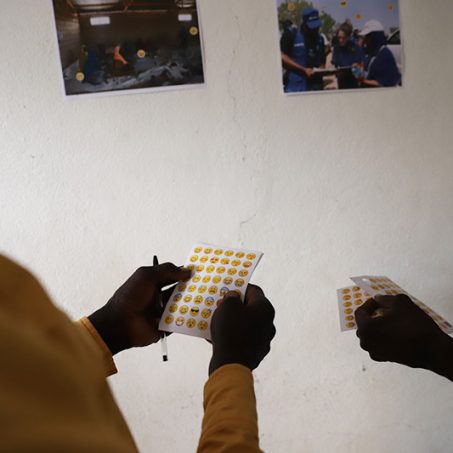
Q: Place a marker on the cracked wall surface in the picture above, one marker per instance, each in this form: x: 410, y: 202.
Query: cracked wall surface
x: 327, y: 186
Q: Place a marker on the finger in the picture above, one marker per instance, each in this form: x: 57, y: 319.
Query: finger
x: 364, y: 313
x: 231, y: 298
x: 260, y: 304
x: 388, y: 301
x: 165, y: 274
x: 253, y: 292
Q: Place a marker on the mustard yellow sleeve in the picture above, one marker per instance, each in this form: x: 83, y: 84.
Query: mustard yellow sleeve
x: 230, y: 421
x: 53, y: 393
x: 107, y: 357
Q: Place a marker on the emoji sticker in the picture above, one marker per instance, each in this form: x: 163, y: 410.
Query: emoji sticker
x: 206, y: 313
x: 177, y: 297
x: 206, y: 279
x: 235, y: 262
x: 196, y: 278
x: 183, y: 309
x: 214, y: 260
x: 218, y: 252
x: 239, y: 282
x: 182, y: 287
x: 220, y: 270
x: 200, y: 268
x: 210, y: 269
x: 179, y: 321
x: 248, y: 264
x: 194, y: 258
x: 251, y: 256
x: 141, y: 53
x: 192, y: 288
x: 191, y: 323
x: 80, y: 76
x: 225, y: 261
x: 227, y: 280
x: 216, y: 279
x: 169, y: 319
x: 198, y: 249
x: 187, y: 298
x: 240, y: 255
x: 223, y: 291
x: 202, y: 289
x: 173, y: 308
x: 232, y: 271
x: 194, y: 311
x: 198, y: 299
x: 209, y: 301
x: 212, y: 290
x: 208, y: 250
x: 204, y: 258
x: 243, y: 273
x: 202, y: 325
x: 229, y: 253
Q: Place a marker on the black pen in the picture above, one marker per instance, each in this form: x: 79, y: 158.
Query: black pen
x: 163, y: 335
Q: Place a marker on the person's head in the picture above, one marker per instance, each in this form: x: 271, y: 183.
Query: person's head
x: 344, y: 34
x: 311, y: 21
x: 374, y: 36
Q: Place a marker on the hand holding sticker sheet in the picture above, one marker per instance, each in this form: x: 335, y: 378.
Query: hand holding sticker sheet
x: 216, y: 270
x: 352, y: 297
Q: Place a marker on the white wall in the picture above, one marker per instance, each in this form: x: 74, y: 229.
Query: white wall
x: 327, y: 186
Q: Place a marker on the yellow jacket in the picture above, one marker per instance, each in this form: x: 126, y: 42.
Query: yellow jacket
x: 54, y: 396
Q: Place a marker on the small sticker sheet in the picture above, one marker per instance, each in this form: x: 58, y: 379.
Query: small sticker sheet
x: 367, y: 286
x: 216, y: 270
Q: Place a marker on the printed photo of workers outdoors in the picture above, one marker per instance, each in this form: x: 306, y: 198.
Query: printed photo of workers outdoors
x: 339, y: 44
x: 114, y: 45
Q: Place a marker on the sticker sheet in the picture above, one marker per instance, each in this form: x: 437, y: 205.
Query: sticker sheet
x: 349, y: 299
x: 216, y: 270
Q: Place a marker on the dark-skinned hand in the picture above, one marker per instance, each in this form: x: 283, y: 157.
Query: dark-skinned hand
x: 242, y: 332
x: 131, y: 317
x: 394, y: 329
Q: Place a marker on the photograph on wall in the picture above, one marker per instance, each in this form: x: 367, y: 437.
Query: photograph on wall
x: 328, y: 45
x: 112, y: 46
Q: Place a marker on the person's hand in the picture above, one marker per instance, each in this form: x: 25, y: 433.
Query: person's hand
x: 394, y: 329
x: 131, y: 317
x: 309, y: 72
x: 242, y: 333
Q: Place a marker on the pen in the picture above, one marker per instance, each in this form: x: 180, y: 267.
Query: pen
x: 163, y: 335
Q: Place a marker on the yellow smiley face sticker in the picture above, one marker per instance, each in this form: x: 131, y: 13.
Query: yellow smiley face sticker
x: 209, y: 301
x: 200, y: 268
x: 357, y: 295
x: 229, y: 253
x: 194, y: 258
x: 350, y: 325
x: 359, y: 302
x: 227, y: 280
x: 247, y: 264
x: 191, y: 323
x: 232, y: 271
x: 220, y: 270
x: 348, y: 311
x: 187, y: 298
x: 239, y: 282
x: 235, y: 262
x: 347, y: 297
x: 214, y: 260
x: 223, y: 291
x: 196, y: 278
x: 225, y: 261
x: 182, y: 287
x: 216, y: 279
x: 194, y: 311
x: 213, y: 290
x: 208, y: 250
x: 243, y: 273
x: 355, y: 288
x: 198, y: 299
x: 347, y: 304
x: 192, y: 288
x: 179, y: 321
x: 204, y: 258
x: 80, y: 76
x: 197, y: 249
x: 210, y: 269
x: 206, y: 279
x: 218, y: 252
x: 173, y: 308
x: 346, y: 291
x: 177, y: 297
x: 169, y: 319
x: 349, y: 318
x: 202, y: 325
x: 291, y: 7
x: 206, y: 313
x: 183, y: 309
x: 191, y: 267
x: 240, y: 255
x: 202, y: 289
x: 141, y: 53
x: 251, y: 256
